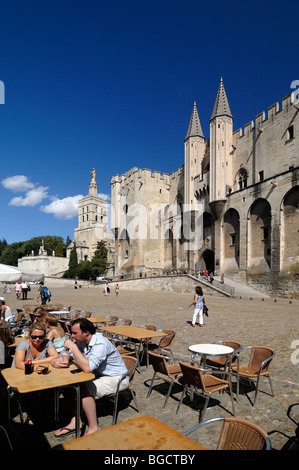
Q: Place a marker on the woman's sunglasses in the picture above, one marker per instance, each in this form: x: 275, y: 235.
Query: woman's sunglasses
x: 37, y: 337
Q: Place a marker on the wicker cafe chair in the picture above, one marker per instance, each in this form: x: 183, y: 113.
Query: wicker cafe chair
x: 28, y: 308
x: 224, y: 361
x: 6, y: 444
x: 131, y: 364
x: 167, y: 372
x: 148, y: 327
x: 66, y: 326
x: 238, y: 434
x: 204, y: 384
x: 112, y: 320
x: 257, y: 367
x: 125, y: 347
x: 85, y: 314
x: 164, y: 344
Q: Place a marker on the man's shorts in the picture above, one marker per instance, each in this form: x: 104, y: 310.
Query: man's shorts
x: 105, y: 385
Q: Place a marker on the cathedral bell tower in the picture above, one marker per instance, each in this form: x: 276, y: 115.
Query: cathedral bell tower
x: 221, y: 132
x: 92, y: 221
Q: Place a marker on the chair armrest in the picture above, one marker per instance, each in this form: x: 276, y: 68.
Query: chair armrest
x: 266, y: 361
x: 124, y: 375
x: 208, y: 421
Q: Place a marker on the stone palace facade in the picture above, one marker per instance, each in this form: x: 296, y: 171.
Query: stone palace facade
x: 233, y: 207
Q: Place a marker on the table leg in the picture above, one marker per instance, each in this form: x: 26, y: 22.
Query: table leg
x: 8, y: 401
x: 138, y: 354
x: 56, y: 404
x: 144, y: 344
x: 146, y: 352
x: 78, y: 410
x: 10, y: 394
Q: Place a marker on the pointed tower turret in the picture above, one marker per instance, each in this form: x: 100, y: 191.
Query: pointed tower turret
x: 194, y: 128
x: 221, y: 107
x: 194, y: 153
x: 221, y: 133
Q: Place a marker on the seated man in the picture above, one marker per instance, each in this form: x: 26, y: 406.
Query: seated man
x: 94, y: 353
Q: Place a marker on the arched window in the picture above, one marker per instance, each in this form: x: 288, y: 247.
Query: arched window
x: 242, y: 178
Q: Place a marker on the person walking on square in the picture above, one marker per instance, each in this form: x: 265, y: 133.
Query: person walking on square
x: 18, y: 289
x: 41, y: 294
x: 24, y: 286
x: 106, y: 289
x: 198, y: 303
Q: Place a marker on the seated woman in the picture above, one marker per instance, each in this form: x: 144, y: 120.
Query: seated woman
x: 40, y: 351
x: 37, y: 348
x: 38, y: 315
x: 56, y: 333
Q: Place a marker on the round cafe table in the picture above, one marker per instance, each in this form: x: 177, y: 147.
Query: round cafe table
x: 59, y: 313
x: 209, y: 349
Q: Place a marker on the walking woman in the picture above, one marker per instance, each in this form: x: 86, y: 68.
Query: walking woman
x: 198, y: 303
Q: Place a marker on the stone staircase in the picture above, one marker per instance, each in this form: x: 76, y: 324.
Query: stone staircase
x: 233, y: 288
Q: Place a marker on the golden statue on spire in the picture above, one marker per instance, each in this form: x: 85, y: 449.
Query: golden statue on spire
x: 93, y: 172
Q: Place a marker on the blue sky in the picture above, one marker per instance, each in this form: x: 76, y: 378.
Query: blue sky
x: 111, y: 85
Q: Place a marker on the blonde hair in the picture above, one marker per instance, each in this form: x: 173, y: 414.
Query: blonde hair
x: 51, y: 319
x: 39, y: 311
x: 37, y: 326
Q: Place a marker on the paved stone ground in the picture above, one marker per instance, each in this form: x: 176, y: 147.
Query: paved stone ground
x: 252, y: 322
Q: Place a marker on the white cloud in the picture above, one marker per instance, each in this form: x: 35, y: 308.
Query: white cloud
x: 66, y: 208
x: 32, y: 198
x: 17, y: 183
x: 106, y: 197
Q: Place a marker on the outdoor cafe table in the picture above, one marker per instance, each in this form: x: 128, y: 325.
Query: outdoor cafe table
x: 59, y: 313
x: 142, y: 433
x: 207, y: 349
x: 140, y: 334
x: 18, y: 381
x: 99, y: 320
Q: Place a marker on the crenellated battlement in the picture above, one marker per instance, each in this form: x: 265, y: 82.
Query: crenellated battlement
x: 145, y: 175
x: 265, y: 119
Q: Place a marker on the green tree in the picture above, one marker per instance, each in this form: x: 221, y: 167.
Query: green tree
x: 12, y: 253
x: 32, y: 245
x: 99, y: 261
x: 3, y: 244
x: 54, y: 243
x: 73, y: 263
x: 9, y: 254
x: 85, y: 271
x: 97, y: 266
x: 101, y: 252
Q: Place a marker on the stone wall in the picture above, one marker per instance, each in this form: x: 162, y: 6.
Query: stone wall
x: 49, y: 265
x: 275, y: 284
x: 179, y: 283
